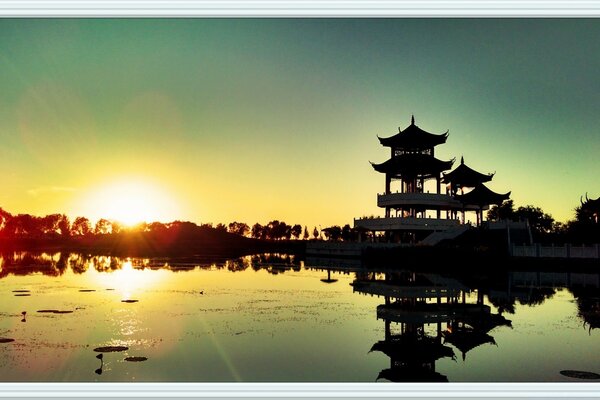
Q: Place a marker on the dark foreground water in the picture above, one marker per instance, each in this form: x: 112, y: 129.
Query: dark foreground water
x: 274, y: 319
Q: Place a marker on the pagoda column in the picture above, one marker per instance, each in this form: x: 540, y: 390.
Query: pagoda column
x: 438, y: 181
x: 388, y: 182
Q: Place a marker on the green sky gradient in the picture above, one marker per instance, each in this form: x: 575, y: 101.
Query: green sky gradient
x: 260, y: 119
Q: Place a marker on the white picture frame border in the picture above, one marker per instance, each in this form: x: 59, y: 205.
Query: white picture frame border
x: 301, y: 9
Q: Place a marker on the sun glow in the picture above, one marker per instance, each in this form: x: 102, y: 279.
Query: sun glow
x: 131, y: 202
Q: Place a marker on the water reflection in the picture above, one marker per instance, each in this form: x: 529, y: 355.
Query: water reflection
x: 101, y: 358
x: 412, y: 326
x: 21, y: 263
x: 417, y: 301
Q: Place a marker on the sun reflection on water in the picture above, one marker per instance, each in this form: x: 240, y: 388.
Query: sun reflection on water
x: 129, y: 280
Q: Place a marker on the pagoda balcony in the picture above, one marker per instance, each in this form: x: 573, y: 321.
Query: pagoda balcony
x: 429, y: 201
x: 379, y: 288
x: 405, y: 224
x: 427, y: 313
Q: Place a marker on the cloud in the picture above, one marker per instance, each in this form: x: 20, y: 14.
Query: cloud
x: 49, y: 189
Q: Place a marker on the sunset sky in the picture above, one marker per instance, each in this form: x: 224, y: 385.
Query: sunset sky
x: 216, y: 120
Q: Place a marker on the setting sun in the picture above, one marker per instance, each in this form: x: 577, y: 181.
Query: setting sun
x: 131, y: 202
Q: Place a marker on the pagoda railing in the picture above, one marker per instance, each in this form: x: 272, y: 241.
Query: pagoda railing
x: 399, y: 291
x: 431, y: 201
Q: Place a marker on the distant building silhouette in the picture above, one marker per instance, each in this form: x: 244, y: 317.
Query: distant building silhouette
x: 411, y: 212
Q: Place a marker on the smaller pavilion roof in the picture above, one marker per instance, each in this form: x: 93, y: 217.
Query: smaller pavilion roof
x: 485, y: 322
x: 413, y: 164
x: 413, y: 137
x: 465, y: 339
x: 482, y: 196
x: 590, y: 204
x: 464, y: 176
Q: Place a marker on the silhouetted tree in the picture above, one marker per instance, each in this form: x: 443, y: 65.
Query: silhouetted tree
x: 156, y: 227
x: 306, y: 236
x: 64, y: 226
x: 102, y: 227
x: 239, y: 228
x: 349, y: 234
x: 4, y: 217
x: 538, y: 220
x: 333, y: 233
x: 505, y: 211
x: 258, y: 231
x: 50, y: 224
x: 315, y: 233
x: 278, y: 230
x: 221, y: 227
x: 296, y: 231
x: 115, y: 226
x: 81, y: 227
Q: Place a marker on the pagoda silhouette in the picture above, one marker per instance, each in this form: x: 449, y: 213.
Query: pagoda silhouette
x: 412, y: 210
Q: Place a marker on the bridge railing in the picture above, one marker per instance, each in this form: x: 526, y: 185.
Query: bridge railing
x: 563, y: 251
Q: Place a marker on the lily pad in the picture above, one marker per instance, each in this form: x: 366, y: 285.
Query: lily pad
x: 136, y: 359
x: 21, y: 291
x: 110, y: 349
x: 129, y: 301
x: 56, y: 311
x: 87, y: 290
x: 22, y: 294
x: 6, y: 340
x: 580, y: 374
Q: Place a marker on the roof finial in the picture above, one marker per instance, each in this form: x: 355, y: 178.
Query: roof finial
x: 462, y: 160
x: 412, y: 120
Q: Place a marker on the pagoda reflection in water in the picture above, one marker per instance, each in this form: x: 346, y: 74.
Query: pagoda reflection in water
x: 416, y: 301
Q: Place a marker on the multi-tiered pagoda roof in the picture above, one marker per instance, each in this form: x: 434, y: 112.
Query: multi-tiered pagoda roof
x: 413, y: 138
x: 412, y: 154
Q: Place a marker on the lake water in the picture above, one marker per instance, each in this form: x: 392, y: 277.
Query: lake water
x: 275, y: 319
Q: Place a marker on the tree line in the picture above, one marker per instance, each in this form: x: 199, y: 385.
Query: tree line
x: 583, y: 228
x: 60, y: 225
